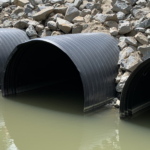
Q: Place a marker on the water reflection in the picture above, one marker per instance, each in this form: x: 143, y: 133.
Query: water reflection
x: 49, y: 119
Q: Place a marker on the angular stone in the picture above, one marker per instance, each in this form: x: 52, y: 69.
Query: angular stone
x: 147, y: 32
x: 57, y: 1
x: 77, y: 28
x: 71, y: 13
x: 122, y: 38
x: 105, y: 17
x: 131, y: 41
x: 16, y: 12
x: 27, y: 9
x: 54, y: 33
x: 22, y: 3
x: 41, y: 7
x: 77, y: 3
x: 52, y: 25
x: 61, y: 10
x: 140, y: 29
x: 125, y: 53
x: 145, y: 51
x: 91, y: 5
x: 88, y: 18
x: 144, y: 24
x: 4, y: 3
x: 7, y: 24
x: 69, y: 1
x: 21, y: 24
x: 148, y: 16
x: 57, y: 16
x: 117, y: 104
x: 132, y: 2
x: 120, y: 15
x: 36, y: 2
x: 122, y: 45
x: 111, y: 24
x: 94, y: 12
x: 31, y: 31
x: 122, y: 81
x: 83, y: 5
x: 124, y: 27
x: 39, y: 27
x: 141, y: 2
x: 85, y: 12
x: 44, y: 33
x: 119, y: 75
x: 138, y: 13
x: 78, y: 19
x: 113, y: 31
x: 122, y: 5
x: 43, y: 14
x: 64, y: 25
x: 141, y: 38
x: 131, y: 63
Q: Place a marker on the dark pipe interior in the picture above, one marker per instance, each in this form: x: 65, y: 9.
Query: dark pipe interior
x: 39, y: 64
x: 136, y: 92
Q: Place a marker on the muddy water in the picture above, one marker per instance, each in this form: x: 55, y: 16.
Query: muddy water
x: 53, y: 120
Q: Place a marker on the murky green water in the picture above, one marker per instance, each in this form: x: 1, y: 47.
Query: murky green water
x: 53, y: 120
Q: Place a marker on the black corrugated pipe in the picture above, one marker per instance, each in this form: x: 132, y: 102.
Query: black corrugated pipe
x: 9, y: 39
x: 91, y: 58
x: 135, y: 94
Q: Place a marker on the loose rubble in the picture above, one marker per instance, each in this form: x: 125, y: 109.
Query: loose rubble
x: 126, y: 20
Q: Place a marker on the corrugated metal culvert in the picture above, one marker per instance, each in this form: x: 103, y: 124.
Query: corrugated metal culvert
x: 91, y: 58
x: 9, y: 39
x: 135, y: 94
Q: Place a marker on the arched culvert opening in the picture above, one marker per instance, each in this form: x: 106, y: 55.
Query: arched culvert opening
x: 39, y: 64
x: 90, y: 58
x: 135, y: 96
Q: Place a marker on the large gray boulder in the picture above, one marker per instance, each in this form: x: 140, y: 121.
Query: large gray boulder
x: 42, y: 15
x: 71, y: 13
x: 123, y: 6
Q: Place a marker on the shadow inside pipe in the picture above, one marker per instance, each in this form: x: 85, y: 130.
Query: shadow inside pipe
x: 65, y: 97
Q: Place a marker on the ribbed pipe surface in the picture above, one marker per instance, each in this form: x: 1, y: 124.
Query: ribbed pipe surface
x: 94, y: 55
x: 9, y: 39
